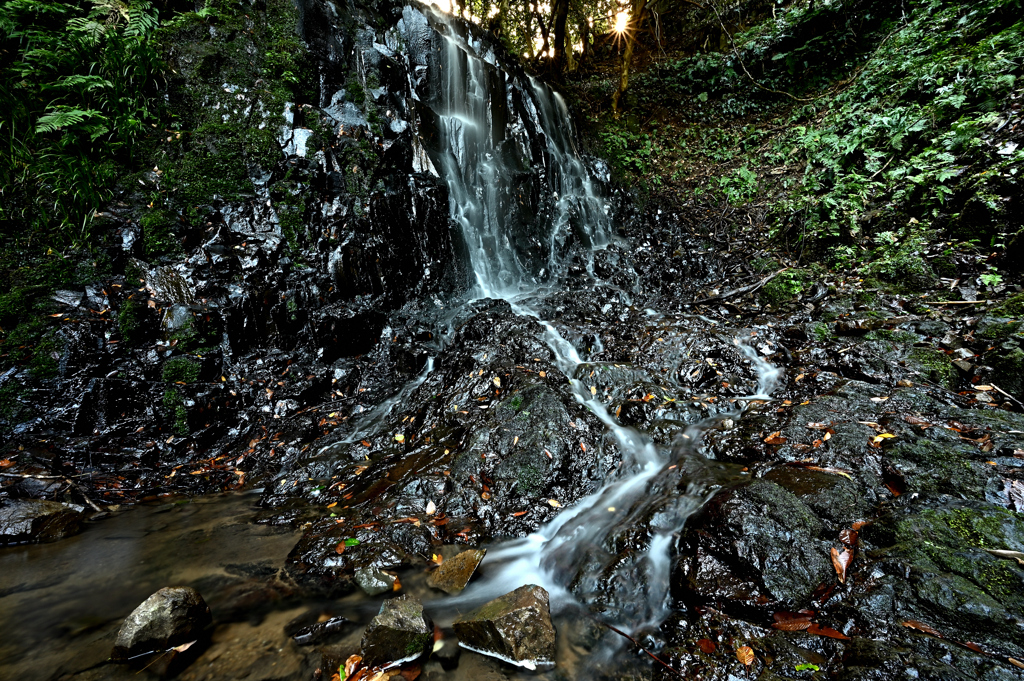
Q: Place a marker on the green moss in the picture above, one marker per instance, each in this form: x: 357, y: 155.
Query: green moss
x: 999, y: 331
x: 46, y: 355
x: 12, y: 410
x: 893, y: 336
x: 516, y: 402
x: 355, y: 92
x: 1011, y: 307
x: 157, y: 234
x: 129, y: 322
x: 529, y: 479
x: 174, y: 406
x: 180, y: 370
x: 822, y: 333
x: 935, y: 366
x: 786, y: 286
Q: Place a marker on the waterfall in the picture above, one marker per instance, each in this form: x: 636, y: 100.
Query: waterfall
x: 522, y: 194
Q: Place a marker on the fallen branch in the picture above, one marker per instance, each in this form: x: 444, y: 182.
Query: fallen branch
x: 736, y: 291
x: 649, y: 653
x: 1006, y: 394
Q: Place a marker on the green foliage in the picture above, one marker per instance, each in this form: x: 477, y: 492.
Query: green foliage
x: 128, y: 321
x: 786, y: 286
x: 629, y: 152
x: 76, y: 99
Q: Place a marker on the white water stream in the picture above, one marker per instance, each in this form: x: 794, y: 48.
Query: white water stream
x: 515, y: 265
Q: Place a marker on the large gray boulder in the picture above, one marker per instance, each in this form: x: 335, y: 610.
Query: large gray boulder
x: 172, y: 616
x: 38, y: 520
x: 400, y: 632
x: 515, y: 628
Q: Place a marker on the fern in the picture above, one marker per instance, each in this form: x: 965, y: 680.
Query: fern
x: 64, y: 117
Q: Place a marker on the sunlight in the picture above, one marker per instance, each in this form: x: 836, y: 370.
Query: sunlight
x: 621, y: 21
x: 443, y: 5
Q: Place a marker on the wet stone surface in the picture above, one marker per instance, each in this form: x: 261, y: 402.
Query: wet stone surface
x: 172, y: 616
x: 454, y: 574
x: 38, y: 520
x: 400, y: 632
x: 515, y: 628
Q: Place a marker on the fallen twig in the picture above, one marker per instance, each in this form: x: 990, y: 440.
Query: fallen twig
x: 736, y: 291
x: 1006, y: 394
x: 649, y: 653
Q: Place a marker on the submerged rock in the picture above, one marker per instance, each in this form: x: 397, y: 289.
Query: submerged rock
x: 38, y: 520
x: 401, y: 631
x: 374, y: 581
x: 515, y: 627
x: 170, y: 617
x: 454, y: 574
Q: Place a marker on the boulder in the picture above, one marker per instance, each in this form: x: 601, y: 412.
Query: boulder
x: 38, y: 520
x: 454, y: 574
x: 170, y: 617
x: 400, y: 632
x: 374, y: 581
x: 515, y: 628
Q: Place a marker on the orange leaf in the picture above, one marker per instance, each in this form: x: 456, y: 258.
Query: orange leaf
x: 841, y: 561
x: 745, y: 655
x: 340, y: 548
x: 775, y: 438
x: 351, y: 664
x: 792, y: 625
x: 1015, y: 663
x: 829, y: 632
x: 848, y: 537
x: 920, y: 626
x: 518, y: 513
x: 6, y: 463
x: 706, y: 645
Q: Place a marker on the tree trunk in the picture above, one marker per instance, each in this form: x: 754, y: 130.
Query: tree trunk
x: 630, y: 35
x: 559, y: 14
x: 584, y: 28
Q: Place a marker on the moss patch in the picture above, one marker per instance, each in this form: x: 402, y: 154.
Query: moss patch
x: 180, y: 370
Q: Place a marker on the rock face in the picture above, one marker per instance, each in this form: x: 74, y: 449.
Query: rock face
x: 515, y: 627
x: 38, y: 520
x: 171, y: 616
x: 401, y: 631
x: 374, y: 581
x: 454, y: 574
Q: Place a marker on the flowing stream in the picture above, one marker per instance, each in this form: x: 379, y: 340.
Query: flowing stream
x: 520, y: 263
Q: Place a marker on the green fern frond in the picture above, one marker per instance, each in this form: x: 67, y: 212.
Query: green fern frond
x: 64, y: 117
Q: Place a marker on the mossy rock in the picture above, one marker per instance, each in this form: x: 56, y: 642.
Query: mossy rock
x: 1011, y: 307
x: 180, y: 370
x: 935, y: 467
x: 934, y: 365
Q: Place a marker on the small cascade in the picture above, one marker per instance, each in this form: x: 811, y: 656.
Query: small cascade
x: 519, y: 189
x: 522, y: 195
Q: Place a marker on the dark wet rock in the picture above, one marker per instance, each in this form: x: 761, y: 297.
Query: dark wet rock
x: 38, y: 520
x: 170, y: 617
x: 317, y: 632
x: 401, y: 631
x: 757, y: 546
x: 515, y: 627
x: 454, y: 574
x: 833, y: 498
x: 374, y: 581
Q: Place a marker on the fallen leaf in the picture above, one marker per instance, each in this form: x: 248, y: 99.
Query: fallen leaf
x: 818, y: 426
x: 828, y: 632
x: 848, y: 537
x: 974, y: 646
x: 399, y: 438
x: 352, y: 663
x: 352, y: 541
x: 859, y: 524
x: 593, y: 390
x: 775, y: 438
x: 555, y: 503
x: 920, y: 626
x: 983, y: 388
x: 340, y: 548
x: 6, y: 463
x: 431, y: 508
x: 706, y: 645
x: 793, y: 625
x: 879, y: 399
x: 841, y: 561
x: 543, y: 374
x: 745, y: 655
x: 915, y: 421
x: 397, y: 585
x: 497, y: 382
x: 518, y: 513
x: 183, y: 647
x: 1015, y: 663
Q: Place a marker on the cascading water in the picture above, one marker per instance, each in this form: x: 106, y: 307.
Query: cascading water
x: 497, y: 137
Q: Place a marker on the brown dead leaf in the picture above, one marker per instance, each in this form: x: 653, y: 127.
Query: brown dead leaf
x: 351, y: 664
x: 841, y: 561
x: 915, y: 421
x: 920, y: 626
x: 745, y: 655
x: 411, y: 674
x: 519, y: 513
x: 848, y: 537
x: 829, y: 632
x: 974, y: 646
x: 340, y: 548
x: 793, y: 625
x: 6, y: 463
x: 775, y: 438
x: 818, y: 426
x: 365, y: 443
x: 706, y: 645
x: 1015, y: 663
